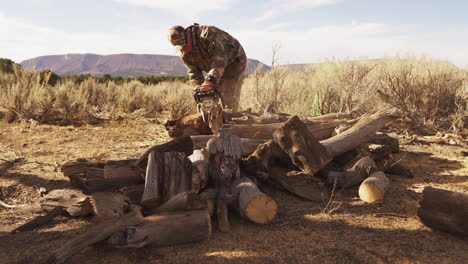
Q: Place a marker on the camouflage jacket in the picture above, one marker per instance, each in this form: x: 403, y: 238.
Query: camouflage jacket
x: 212, y: 51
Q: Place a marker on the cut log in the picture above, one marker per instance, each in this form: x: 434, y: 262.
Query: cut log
x: 320, y: 129
x: 224, y: 153
x: 181, y: 144
x: 74, y: 203
x: 444, y: 210
x: 91, y: 185
x: 182, y: 202
x: 39, y: 220
x: 355, y: 172
x: 251, y: 203
x: 199, y: 170
x: 372, y: 189
x: 248, y: 145
x: 331, y: 116
x: 362, y: 132
x: 264, y: 157
x: 122, y: 169
x: 94, y: 234
x: 165, y: 229
x: 79, y: 166
x: 168, y: 174
x: 301, y: 146
x: 108, y: 205
x: 299, y: 183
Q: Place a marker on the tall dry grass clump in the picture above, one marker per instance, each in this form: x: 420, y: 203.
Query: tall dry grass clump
x: 24, y: 96
x: 432, y: 94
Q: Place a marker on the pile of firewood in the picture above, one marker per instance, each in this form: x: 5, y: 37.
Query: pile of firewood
x: 173, y: 191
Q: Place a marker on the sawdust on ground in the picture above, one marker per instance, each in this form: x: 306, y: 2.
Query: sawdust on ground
x: 31, y: 154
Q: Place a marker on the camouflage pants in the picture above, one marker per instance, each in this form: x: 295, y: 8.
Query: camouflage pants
x: 231, y: 86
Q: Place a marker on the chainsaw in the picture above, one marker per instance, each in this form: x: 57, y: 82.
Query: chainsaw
x: 207, y: 97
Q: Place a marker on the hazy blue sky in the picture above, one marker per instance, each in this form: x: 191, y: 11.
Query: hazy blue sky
x: 306, y: 30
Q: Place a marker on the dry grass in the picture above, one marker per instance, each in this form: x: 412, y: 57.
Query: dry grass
x: 24, y: 98
x: 432, y: 94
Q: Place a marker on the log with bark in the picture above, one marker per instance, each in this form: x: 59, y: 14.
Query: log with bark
x: 182, y: 202
x: 251, y: 203
x: 165, y: 229
x: 73, y: 202
x: 122, y: 169
x: 224, y: 153
x: 108, y: 204
x: 372, y: 189
x: 301, y: 146
x: 444, y: 210
x: 299, y: 183
x: 354, y: 172
x: 167, y: 174
x: 180, y: 144
x: 94, y: 234
x: 362, y: 132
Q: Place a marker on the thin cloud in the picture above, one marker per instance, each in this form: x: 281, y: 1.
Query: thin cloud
x: 278, y: 7
x: 182, y: 5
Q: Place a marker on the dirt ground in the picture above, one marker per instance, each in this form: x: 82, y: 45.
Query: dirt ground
x: 31, y: 155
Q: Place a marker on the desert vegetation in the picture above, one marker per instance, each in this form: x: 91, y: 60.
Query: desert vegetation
x: 432, y: 94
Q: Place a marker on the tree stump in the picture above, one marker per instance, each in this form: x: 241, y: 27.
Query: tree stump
x: 167, y: 174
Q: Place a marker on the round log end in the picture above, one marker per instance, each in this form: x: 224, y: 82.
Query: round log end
x: 261, y: 209
x: 370, y: 193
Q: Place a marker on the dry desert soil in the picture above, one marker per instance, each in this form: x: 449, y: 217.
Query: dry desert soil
x: 31, y: 155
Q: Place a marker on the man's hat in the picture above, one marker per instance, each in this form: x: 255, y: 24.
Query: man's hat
x: 177, y: 36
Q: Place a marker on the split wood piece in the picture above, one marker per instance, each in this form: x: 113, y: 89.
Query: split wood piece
x: 299, y: 183
x: 121, y: 169
x: 94, y: 234
x: 248, y: 145
x: 263, y: 158
x: 80, y: 166
x: 107, y: 204
x: 39, y: 220
x: 362, y: 132
x: 372, y: 189
x: 224, y: 153
x: 301, y: 146
x: 251, y: 203
x: 165, y: 229
x: 444, y: 210
x: 181, y: 144
x: 74, y: 203
x: 91, y: 185
x: 182, y: 202
x: 199, y: 170
x: 355, y: 172
x: 167, y: 174
x: 320, y: 129
x: 216, y: 118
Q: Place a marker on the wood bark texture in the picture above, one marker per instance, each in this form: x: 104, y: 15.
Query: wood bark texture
x: 444, y: 210
x: 165, y: 229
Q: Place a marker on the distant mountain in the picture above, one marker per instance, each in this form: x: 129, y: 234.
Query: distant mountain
x: 117, y: 65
